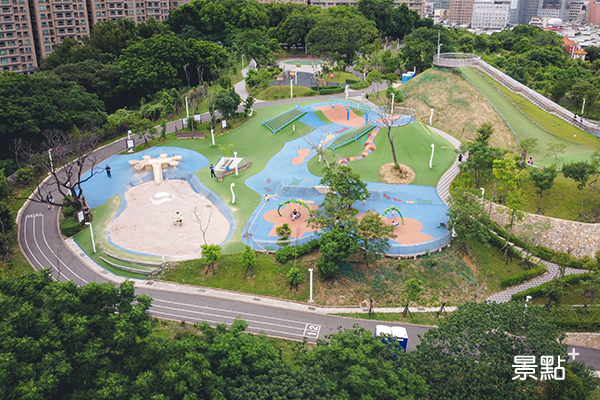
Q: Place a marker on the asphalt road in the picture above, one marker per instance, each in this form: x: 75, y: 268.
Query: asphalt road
x: 42, y: 244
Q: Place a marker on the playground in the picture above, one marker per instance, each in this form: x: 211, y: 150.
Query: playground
x: 279, y: 187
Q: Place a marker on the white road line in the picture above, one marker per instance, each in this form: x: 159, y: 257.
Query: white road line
x: 38, y: 246
x: 312, y: 330
x: 230, y: 311
x: 29, y: 248
x: 183, y: 317
x: 58, y: 258
x: 230, y: 318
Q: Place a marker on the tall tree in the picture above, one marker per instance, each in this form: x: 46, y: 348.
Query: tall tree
x: 341, y: 37
x: 543, y: 180
x: 373, y: 236
x: 467, y: 217
x: 481, y: 156
x: 580, y: 172
x: 346, y: 183
x: 378, y: 11
x: 335, y: 246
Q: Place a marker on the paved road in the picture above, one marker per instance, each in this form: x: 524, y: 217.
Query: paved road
x: 44, y: 247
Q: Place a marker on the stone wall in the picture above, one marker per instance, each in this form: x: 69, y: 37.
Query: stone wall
x: 591, y: 340
x: 576, y: 238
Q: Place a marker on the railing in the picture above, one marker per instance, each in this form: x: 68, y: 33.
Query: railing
x: 454, y: 60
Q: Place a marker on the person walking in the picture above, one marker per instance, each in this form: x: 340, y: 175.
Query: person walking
x: 212, y: 171
x: 179, y: 219
x: 48, y: 200
x: 108, y: 171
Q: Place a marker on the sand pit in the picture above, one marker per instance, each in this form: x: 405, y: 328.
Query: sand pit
x: 339, y: 115
x: 146, y: 225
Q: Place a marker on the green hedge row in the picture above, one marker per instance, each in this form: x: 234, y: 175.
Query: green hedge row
x: 360, y: 85
x: 523, y: 276
x: 70, y: 226
x: 287, y: 253
x: 498, y: 242
x: 351, y: 81
x: 328, y: 89
x: 572, y: 319
x: 538, y: 291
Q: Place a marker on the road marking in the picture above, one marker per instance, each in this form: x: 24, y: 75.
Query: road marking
x: 183, y: 317
x: 229, y: 317
x: 312, y: 330
x: 230, y: 311
x: 33, y: 215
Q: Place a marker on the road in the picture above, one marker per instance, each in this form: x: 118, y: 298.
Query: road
x: 42, y: 244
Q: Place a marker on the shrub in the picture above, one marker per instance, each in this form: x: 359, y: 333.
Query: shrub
x: 568, y: 319
x: 311, y: 93
x: 70, y: 226
x: 360, y: 85
x: 544, y: 254
x: 577, y: 264
x: 287, y: 253
x: 284, y: 231
x: 24, y: 176
x: 294, y: 277
x: 68, y: 211
x: 540, y: 291
x: 522, y: 277
x: 351, y: 81
x: 327, y: 269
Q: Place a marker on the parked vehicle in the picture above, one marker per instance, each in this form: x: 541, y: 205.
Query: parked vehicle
x: 394, y: 334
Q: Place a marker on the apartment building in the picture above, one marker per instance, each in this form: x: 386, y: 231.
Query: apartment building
x: 594, y: 17
x: 460, y: 12
x: 17, y: 50
x: 490, y: 14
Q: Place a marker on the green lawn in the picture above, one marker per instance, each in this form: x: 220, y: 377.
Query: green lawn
x: 413, y: 148
x: 523, y: 127
x: 280, y: 92
x: 340, y: 77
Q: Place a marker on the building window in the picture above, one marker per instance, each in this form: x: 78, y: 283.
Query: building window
x: 42, y: 8
x: 48, y: 48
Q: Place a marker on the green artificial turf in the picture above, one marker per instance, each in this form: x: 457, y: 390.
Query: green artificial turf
x: 413, y: 148
x: 523, y: 127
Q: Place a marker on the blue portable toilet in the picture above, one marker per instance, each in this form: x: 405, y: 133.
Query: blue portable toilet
x: 394, y: 334
x: 407, y: 76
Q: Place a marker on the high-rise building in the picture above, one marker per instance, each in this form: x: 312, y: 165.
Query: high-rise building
x: 461, y: 12
x: 526, y: 10
x: 594, y: 12
x: 17, y: 52
x: 579, y: 12
x: 490, y: 14
x: 554, y: 9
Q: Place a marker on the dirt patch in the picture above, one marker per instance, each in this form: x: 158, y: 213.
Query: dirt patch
x: 389, y: 174
x: 458, y: 108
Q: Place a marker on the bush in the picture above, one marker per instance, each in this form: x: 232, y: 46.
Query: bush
x: 496, y: 241
x: 287, y: 253
x: 70, y: 226
x: 24, y: 176
x: 523, y: 276
x: 544, y: 254
x: 311, y: 93
x: 569, y: 319
x: 68, y: 211
x: 351, y: 81
x: 327, y: 269
x: 332, y: 90
x: 540, y: 291
x: 577, y: 264
x: 360, y: 85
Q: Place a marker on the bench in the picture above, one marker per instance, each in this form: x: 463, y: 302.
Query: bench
x: 190, y: 135
x: 241, y: 167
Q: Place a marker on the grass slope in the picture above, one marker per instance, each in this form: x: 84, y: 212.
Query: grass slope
x: 524, y: 127
x: 459, y: 108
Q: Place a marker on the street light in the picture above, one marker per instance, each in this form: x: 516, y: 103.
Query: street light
x: 236, y: 164
x: 92, y: 233
x: 232, y: 194
x: 51, y: 162
x: 311, y: 285
x: 431, y: 159
x: 187, y: 110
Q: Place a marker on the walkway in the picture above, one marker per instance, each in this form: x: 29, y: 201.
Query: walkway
x: 553, y: 272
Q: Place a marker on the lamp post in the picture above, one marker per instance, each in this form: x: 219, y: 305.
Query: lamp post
x: 51, y: 162
x: 311, y: 286
x: 212, y: 134
x: 291, y: 89
x: 392, y: 110
x: 583, y: 107
x: 187, y: 110
x: 236, y: 164
x: 92, y: 233
x: 129, y: 141
x: 431, y: 159
x: 431, y: 117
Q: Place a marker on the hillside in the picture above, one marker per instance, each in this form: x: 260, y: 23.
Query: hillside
x: 458, y: 107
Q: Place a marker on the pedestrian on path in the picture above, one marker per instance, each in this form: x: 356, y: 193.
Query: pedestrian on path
x: 108, y: 171
x: 266, y: 198
x: 50, y: 200
x: 212, y: 171
x: 179, y: 219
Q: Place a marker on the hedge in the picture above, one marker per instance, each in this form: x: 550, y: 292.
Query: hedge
x: 328, y: 89
x: 523, y: 276
x: 539, y: 291
x: 351, y: 81
x: 360, y: 85
x: 286, y: 254
x: 572, y: 319
x: 70, y: 226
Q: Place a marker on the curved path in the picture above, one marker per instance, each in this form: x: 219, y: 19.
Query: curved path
x: 42, y: 244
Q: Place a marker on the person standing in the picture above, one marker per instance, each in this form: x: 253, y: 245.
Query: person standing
x: 179, y: 219
x: 108, y: 171
x: 212, y: 171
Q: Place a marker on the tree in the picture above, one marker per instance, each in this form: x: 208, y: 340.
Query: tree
x: 378, y: 11
x: 341, y: 37
x: 480, y: 341
x: 527, y: 145
x: 555, y: 291
x: 514, y: 204
x: 256, y: 45
x: 284, y: 231
x: 212, y: 254
x: 248, y: 105
x: 543, y: 179
x: 359, y: 367
x: 294, y: 277
x: 295, y: 28
x: 248, y: 261
x: 346, y: 183
x: 590, y: 287
x: 481, y: 156
x: 467, y: 217
x: 375, y: 77
x: 373, y: 235
x: 580, y: 172
x: 554, y: 149
x: 227, y: 102
x: 335, y: 245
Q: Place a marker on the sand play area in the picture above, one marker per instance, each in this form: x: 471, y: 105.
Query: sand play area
x: 147, y: 223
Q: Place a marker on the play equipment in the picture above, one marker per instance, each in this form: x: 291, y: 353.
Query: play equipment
x: 352, y: 135
x: 282, y: 120
x: 156, y: 165
x: 391, y: 209
x: 300, y: 202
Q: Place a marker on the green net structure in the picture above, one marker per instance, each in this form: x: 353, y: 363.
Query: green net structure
x: 282, y: 120
x: 352, y: 135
